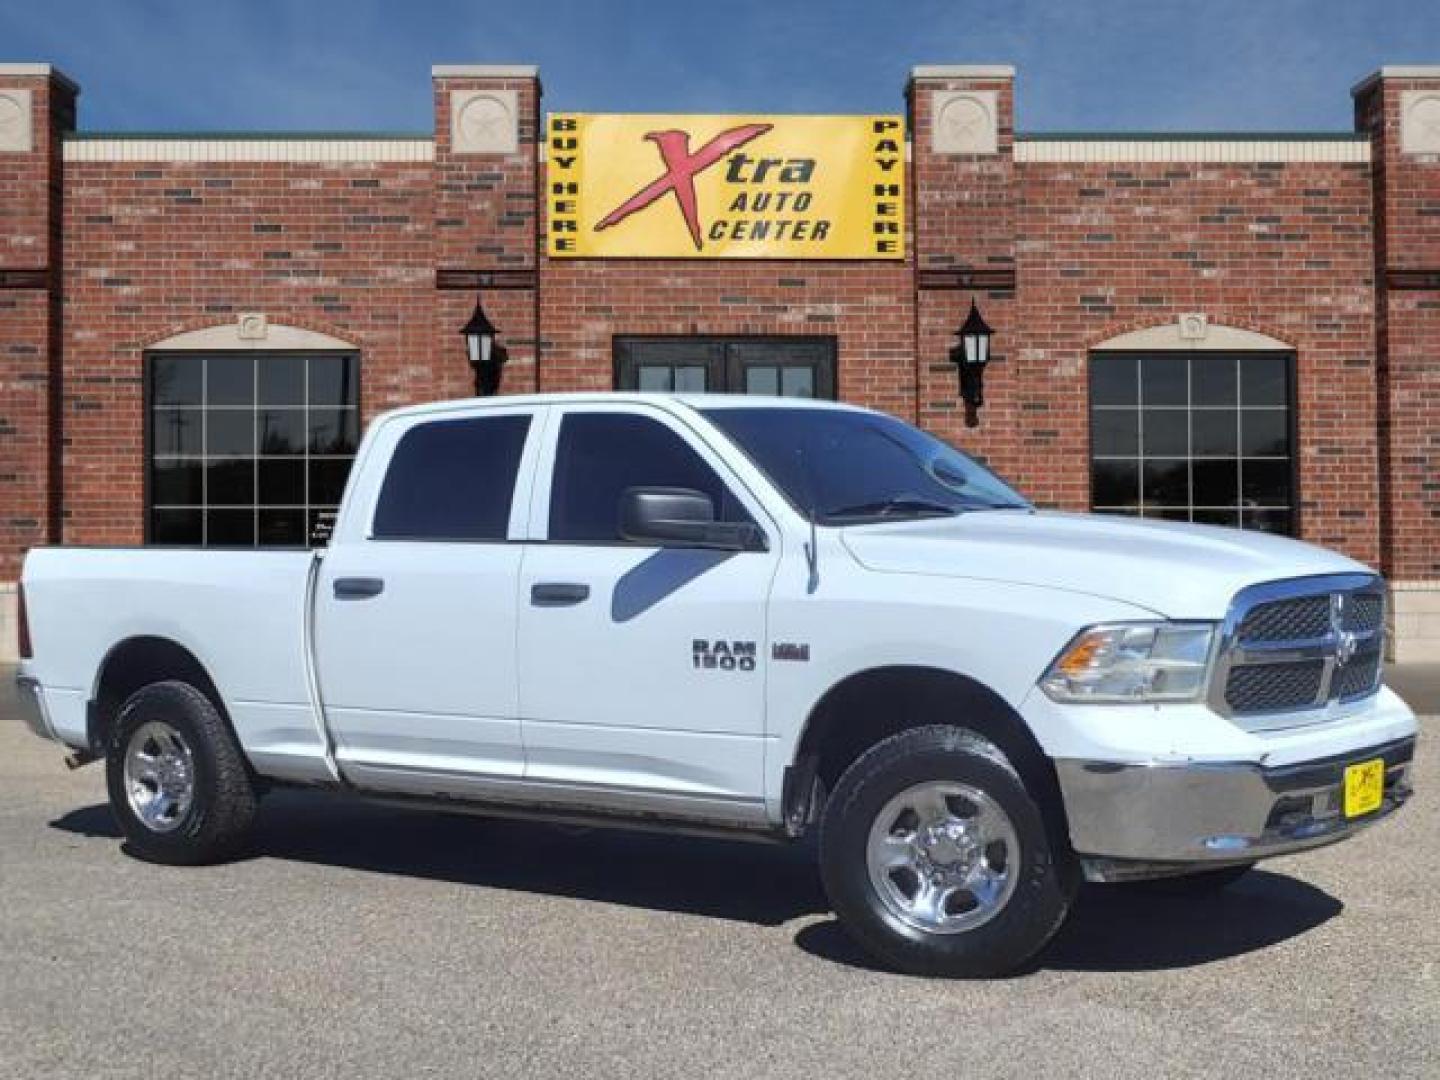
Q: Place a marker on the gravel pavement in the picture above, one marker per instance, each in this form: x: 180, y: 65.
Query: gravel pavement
x: 360, y: 941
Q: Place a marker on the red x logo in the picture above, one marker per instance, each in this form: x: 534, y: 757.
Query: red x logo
x: 681, y: 168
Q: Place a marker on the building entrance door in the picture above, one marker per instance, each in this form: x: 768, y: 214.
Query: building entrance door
x: 784, y: 366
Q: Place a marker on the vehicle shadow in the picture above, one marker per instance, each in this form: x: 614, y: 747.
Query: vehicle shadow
x: 1110, y: 928
x: 1116, y: 929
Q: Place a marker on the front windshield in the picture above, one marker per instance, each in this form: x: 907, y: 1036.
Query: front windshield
x: 851, y: 467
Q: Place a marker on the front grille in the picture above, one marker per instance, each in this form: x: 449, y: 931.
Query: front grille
x: 1287, y: 620
x: 1284, y: 642
x: 1274, y: 687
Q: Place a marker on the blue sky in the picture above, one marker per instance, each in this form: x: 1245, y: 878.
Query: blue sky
x: 364, y: 64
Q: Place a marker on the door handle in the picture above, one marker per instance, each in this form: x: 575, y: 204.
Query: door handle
x: 558, y: 593
x: 358, y: 588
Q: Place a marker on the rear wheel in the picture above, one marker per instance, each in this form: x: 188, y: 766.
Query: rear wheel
x: 177, y: 779
x: 937, y: 860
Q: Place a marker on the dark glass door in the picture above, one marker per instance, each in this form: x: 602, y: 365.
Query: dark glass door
x: 784, y: 366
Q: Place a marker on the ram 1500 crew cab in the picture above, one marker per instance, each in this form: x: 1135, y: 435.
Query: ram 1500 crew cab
x: 742, y: 615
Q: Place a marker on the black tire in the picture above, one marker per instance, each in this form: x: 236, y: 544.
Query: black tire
x: 222, y: 803
x: 1199, y: 883
x: 1045, y: 880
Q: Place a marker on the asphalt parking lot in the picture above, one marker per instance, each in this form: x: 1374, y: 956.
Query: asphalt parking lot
x: 360, y: 941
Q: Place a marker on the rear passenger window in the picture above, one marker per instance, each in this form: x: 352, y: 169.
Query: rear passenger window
x: 452, y: 480
x: 599, y: 455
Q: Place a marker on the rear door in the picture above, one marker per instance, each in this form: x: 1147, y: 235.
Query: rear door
x: 642, y: 668
x: 415, y: 608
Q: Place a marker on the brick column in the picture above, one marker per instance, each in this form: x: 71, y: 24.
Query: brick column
x: 963, y: 207
x: 1400, y: 108
x: 486, y: 236
x: 37, y: 105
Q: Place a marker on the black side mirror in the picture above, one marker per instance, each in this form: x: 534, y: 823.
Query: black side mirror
x: 680, y: 517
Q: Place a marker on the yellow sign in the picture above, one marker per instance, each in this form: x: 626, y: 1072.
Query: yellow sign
x: 726, y: 187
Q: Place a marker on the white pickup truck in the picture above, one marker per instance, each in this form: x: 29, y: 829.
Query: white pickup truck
x: 750, y: 616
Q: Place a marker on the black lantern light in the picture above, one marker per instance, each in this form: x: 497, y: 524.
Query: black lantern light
x: 970, y: 356
x: 486, y: 355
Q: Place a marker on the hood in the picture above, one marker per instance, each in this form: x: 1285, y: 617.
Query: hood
x: 1179, y: 571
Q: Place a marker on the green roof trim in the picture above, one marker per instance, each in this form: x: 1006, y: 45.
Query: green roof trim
x: 1191, y: 136
x: 250, y: 136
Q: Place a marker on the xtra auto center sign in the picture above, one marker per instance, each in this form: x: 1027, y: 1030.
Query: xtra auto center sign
x: 730, y: 187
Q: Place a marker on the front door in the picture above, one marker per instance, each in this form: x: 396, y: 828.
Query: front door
x: 779, y: 366
x: 642, y: 668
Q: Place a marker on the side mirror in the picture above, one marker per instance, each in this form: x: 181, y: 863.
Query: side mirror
x: 680, y: 517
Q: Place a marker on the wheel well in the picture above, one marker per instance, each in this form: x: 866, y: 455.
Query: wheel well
x: 135, y: 663
x: 869, y: 707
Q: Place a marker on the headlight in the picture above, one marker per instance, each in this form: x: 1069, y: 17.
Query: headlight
x: 1132, y: 662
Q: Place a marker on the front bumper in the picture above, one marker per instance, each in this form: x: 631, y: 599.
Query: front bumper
x: 32, y: 706
x: 1136, y: 820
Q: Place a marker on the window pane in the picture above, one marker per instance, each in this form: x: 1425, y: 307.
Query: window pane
x: 1213, y: 381
x: 176, y: 482
x: 1163, y: 380
x: 282, y: 527
x: 1165, y: 433
x: 332, y: 382
x: 231, y: 481
x: 654, y: 378
x: 1265, y: 432
x: 176, y: 380
x: 1115, y: 483
x: 451, y: 480
x: 1166, y: 483
x: 282, y: 482
x: 1115, y: 432
x: 230, y: 528
x: 176, y: 527
x: 1217, y: 483
x: 1264, y: 380
x: 1217, y: 517
x: 280, y: 431
x: 281, y: 380
x: 1113, y: 380
x: 327, y: 480
x: 1273, y: 521
x: 177, y: 431
x: 229, y: 381
x: 797, y: 382
x: 230, y: 431
x: 690, y: 380
x: 599, y: 455
x: 762, y: 380
x: 1265, y: 483
x: 1213, y: 433
x: 334, y: 431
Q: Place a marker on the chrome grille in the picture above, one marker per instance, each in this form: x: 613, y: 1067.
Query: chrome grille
x: 1288, y: 646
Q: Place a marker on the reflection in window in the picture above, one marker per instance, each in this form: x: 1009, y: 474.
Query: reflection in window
x: 249, y: 450
x: 1202, y: 437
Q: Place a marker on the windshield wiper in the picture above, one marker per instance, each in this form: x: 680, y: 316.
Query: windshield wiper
x: 892, y: 507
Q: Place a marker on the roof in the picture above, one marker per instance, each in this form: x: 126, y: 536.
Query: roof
x: 614, y: 397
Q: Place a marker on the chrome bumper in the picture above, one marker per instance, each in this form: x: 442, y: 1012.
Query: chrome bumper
x: 1152, y: 815
x: 32, y: 706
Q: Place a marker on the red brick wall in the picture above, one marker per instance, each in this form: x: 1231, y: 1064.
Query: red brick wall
x: 1407, y: 210
x: 30, y: 255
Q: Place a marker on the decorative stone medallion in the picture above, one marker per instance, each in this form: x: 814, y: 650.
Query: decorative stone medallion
x: 16, y: 135
x: 1420, y: 121
x: 965, y: 122
x: 484, y: 122
x: 1194, y: 326
x: 252, y: 326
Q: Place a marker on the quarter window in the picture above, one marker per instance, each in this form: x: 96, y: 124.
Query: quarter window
x: 1202, y: 437
x: 599, y: 455
x: 249, y: 450
x: 452, y: 480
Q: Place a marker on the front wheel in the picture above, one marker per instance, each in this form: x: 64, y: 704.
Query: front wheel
x: 937, y: 860
x: 177, y: 779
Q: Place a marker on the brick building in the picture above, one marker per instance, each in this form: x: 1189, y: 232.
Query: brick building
x: 1234, y: 329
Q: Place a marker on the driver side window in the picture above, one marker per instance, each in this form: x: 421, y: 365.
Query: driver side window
x: 599, y: 455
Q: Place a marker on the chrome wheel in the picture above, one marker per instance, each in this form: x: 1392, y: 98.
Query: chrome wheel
x: 159, y: 776
x: 943, y: 857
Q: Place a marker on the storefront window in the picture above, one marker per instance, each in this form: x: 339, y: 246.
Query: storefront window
x: 248, y: 450
x: 1202, y: 437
